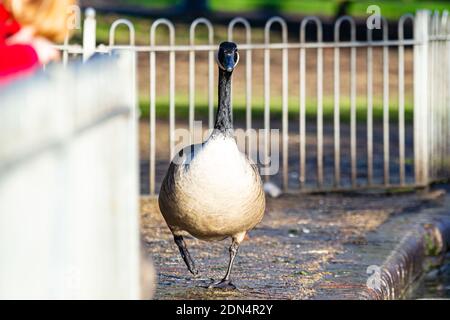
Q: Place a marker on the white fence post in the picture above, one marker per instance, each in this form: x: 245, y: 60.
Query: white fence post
x: 130, y: 197
x: 421, y: 101
x: 89, y: 34
x: 69, y: 215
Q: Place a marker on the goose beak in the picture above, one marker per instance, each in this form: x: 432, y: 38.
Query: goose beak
x: 229, y: 62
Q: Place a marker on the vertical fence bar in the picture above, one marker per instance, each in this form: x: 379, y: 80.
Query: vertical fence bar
x: 320, y: 116
x: 421, y: 133
x: 318, y: 24
x: 285, y: 109
x: 401, y: 97
x: 152, y: 156
x: 337, y: 120
x: 447, y: 106
x: 192, y: 29
x: 353, y: 154
x: 65, y: 55
x: 248, y: 77
x: 436, y: 110
x: 302, y: 111
x: 369, y: 108
x: 285, y: 134
x: 440, y: 87
x: 211, y: 80
x: 172, y: 93
x: 440, y: 106
x: 133, y: 64
x: 191, y: 94
x: 89, y: 34
x: 446, y: 90
x: 442, y: 93
x: 267, y: 96
x: 153, y: 28
x: 436, y: 94
x: 337, y: 129
x: 443, y: 26
x: 266, y: 99
x: 436, y: 105
x: 433, y: 95
x: 385, y: 105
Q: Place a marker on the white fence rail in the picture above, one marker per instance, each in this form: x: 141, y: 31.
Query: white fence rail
x: 69, y: 184
x: 381, y: 155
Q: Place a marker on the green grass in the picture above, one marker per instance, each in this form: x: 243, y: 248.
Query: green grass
x: 239, y: 109
x: 390, y: 9
x: 322, y: 7
x: 395, y: 9
x: 153, y: 3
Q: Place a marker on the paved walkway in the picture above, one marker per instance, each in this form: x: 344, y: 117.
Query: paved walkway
x: 307, y: 247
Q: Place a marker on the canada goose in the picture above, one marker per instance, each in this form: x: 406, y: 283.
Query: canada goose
x: 211, y: 190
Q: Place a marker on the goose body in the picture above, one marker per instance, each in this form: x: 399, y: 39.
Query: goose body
x: 212, y: 190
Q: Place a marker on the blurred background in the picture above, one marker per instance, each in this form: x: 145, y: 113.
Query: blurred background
x: 324, y: 8
x: 182, y: 12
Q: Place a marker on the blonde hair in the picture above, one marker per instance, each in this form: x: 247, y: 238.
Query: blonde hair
x: 49, y: 18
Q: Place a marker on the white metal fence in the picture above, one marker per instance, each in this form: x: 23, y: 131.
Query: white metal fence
x: 411, y: 154
x: 69, y: 185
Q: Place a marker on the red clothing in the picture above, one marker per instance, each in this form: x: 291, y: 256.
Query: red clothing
x: 15, y: 60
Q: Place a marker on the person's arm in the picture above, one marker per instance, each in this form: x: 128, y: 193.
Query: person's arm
x: 44, y: 49
x: 16, y: 60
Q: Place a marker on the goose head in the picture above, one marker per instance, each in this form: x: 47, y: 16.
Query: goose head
x: 227, y: 56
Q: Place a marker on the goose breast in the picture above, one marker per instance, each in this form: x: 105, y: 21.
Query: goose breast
x: 212, y: 192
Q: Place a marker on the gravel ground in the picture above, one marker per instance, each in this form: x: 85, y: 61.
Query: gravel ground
x: 299, y: 251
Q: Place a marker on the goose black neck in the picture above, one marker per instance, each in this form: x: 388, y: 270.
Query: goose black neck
x: 224, y: 122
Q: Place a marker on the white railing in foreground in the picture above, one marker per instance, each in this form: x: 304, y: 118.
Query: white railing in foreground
x: 69, y: 184
x: 430, y: 147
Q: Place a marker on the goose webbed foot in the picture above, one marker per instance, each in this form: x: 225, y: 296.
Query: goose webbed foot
x: 185, y: 255
x: 223, y: 285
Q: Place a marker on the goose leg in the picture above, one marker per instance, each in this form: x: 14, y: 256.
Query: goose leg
x: 226, y: 281
x: 185, y: 254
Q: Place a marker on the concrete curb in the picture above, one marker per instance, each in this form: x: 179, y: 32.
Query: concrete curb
x: 421, y: 248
